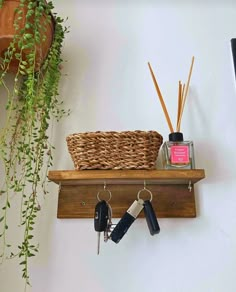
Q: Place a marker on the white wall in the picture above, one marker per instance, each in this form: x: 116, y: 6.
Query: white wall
x: 108, y: 87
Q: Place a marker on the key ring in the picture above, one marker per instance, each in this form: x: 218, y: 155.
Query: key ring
x: 145, y: 189
x: 104, y: 190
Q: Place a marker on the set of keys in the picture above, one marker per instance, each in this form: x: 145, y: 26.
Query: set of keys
x: 103, y: 218
x: 102, y: 221
x: 132, y: 213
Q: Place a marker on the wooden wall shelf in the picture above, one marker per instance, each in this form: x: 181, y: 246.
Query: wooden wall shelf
x: 171, y: 193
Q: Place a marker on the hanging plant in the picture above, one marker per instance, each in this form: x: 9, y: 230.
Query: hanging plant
x: 30, y: 48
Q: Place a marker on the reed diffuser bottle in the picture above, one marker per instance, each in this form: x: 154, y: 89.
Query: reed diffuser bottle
x: 176, y: 153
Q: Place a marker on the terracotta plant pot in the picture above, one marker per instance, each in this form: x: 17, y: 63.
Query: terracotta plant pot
x: 7, y: 32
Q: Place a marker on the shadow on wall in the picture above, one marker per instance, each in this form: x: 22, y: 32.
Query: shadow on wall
x: 3, y: 103
x: 3, y: 99
x: 207, y: 154
x: 233, y: 47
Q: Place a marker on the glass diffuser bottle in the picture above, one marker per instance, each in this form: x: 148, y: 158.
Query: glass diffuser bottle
x: 177, y: 153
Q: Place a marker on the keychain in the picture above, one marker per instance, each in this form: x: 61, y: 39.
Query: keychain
x: 127, y: 220
x: 149, y: 212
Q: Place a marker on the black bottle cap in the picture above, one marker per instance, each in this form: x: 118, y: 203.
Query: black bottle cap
x: 176, y: 137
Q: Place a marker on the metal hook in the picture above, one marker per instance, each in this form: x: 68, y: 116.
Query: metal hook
x: 145, y: 189
x: 190, y: 186
x: 144, y: 184
x: 104, y: 190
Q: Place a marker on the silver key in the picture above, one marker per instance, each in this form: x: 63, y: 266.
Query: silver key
x: 98, y: 245
x: 109, y: 224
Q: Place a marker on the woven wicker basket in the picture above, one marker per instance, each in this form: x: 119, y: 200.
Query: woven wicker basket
x: 114, y: 150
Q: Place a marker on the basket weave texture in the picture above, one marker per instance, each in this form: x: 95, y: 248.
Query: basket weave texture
x: 114, y: 150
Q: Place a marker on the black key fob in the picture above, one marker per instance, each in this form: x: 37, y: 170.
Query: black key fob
x: 126, y: 221
x: 151, y: 218
x: 101, y: 216
x: 122, y: 227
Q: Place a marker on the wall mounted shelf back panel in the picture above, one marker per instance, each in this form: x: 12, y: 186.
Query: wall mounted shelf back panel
x: 173, y: 191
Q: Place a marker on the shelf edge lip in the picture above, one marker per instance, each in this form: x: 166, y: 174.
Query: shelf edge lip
x: 58, y: 176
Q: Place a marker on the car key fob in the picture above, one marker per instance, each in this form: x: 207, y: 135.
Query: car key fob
x: 151, y: 218
x: 100, y: 220
x: 101, y: 216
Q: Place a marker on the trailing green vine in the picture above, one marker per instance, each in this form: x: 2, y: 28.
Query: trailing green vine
x: 32, y: 102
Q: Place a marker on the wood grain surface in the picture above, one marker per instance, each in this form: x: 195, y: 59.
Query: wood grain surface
x: 114, y: 176
x: 168, y: 200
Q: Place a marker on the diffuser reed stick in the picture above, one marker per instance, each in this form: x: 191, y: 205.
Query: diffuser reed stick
x: 179, y: 102
x: 161, y: 99
x: 185, y: 95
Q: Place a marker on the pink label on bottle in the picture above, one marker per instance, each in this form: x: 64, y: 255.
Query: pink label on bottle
x: 179, y: 154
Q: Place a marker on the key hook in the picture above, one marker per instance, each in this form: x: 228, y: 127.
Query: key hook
x: 144, y: 184
x: 190, y: 186
x: 146, y: 190
x: 104, y: 190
